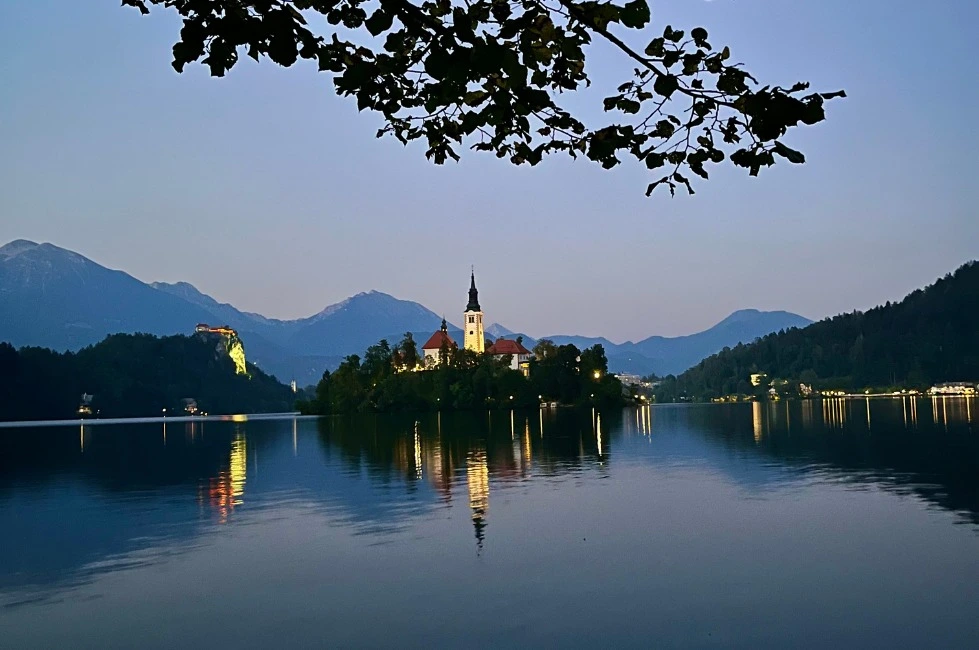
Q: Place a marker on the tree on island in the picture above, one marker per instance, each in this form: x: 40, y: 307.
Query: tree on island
x: 493, y: 75
x: 464, y: 380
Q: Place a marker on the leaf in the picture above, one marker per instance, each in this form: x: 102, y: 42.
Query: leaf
x: 437, y: 63
x: 656, y: 46
x: 838, y: 93
x: 629, y: 106
x: 793, y: 156
x: 379, y: 22
x: 475, y: 98
x: 666, y: 85
x: 655, y: 160
x: 635, y: 14
x: 675, y: 35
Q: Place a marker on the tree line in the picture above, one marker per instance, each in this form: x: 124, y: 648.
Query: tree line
x: 394, y: 378
x: 931, y: 336
x: 133, y: 375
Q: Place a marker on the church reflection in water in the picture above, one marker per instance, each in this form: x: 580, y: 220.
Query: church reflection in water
x: 383, y: 470
x: 475, y: 452
x: 859, y: 439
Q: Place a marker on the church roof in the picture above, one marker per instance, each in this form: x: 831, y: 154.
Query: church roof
x: 435, y: 342
x: 506, y: 346
x: 473, y: 294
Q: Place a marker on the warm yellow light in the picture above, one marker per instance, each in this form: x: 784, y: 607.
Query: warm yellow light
x: 598, y: 374
x: 237, y: 353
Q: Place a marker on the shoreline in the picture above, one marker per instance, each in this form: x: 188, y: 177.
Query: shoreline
x: 241, y: 417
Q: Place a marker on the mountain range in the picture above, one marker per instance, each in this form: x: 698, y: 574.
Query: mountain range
x: 929, y: 337
x: 55, y: 298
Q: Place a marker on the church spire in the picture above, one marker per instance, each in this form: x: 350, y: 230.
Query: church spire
x: 445, y: 327
x: 473, y: 294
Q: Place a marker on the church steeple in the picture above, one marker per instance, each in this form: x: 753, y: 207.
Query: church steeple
x: 473, y: 320
x: 473, y: 294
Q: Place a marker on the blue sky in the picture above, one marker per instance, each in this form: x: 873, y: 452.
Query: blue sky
x: 266, y: 190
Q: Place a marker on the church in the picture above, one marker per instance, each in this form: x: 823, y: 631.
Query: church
x: 474, y: 338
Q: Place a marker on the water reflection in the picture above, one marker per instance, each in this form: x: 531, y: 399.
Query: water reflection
x: 67, y: 503
x: 883, y: 441
x: 225, y: 491
x: 477, y: 481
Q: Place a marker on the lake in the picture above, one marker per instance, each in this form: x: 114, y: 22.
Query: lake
x: 804, y: 524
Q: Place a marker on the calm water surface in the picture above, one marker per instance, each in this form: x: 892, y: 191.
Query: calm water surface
x: 804, y: 524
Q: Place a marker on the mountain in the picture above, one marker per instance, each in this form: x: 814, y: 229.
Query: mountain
x: 225, y: 313
x: 929, y: 337
x: 52, y: 297
x: 671, y: 355
x: 348, y: 327
x: 496, y: 331
x: 676, y: 354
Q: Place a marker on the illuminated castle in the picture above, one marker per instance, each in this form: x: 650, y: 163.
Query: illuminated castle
x: 233, y: 344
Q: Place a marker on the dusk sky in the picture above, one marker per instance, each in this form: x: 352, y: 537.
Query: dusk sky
x: 266, y: 190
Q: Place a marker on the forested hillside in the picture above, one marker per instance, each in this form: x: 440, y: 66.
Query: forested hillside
x: 930, y: 336
x: 132, y: 375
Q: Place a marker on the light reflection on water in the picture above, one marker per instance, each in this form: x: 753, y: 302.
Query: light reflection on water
x: 841, y: 521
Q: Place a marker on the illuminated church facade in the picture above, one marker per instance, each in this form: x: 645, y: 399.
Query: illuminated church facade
x: 474, y: 338
x: 473, y: 320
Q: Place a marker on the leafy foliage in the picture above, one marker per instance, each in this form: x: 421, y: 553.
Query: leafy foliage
x: 464, y: 380
x: 931, y: 336
x: 491, y: 74
x: 132, y: 375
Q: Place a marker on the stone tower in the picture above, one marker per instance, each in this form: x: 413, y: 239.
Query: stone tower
x: 472, y: 320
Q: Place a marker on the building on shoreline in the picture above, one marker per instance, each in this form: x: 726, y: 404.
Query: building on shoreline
x: 953, y: 388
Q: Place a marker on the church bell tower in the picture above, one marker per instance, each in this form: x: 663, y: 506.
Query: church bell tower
x: 472, y: 320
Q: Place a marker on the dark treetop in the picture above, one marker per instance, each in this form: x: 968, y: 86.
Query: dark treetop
x: 490, y: 74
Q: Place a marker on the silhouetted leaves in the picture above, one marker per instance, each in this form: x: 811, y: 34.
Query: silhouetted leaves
x: 490, y: 74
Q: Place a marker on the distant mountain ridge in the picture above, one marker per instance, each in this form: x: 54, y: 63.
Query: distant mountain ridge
x: 671, y: 355
x: 53, y: 297
x: 930, y: 336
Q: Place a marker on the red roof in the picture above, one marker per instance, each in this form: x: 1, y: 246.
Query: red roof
x: 506, y: 346
x: 435, y: 343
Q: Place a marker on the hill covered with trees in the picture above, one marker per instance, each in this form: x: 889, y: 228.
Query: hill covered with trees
x: 931, y: 336
x: 133, y: 375
x: 390, y: 379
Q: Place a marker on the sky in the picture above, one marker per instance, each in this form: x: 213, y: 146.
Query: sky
x: 266, y: 190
